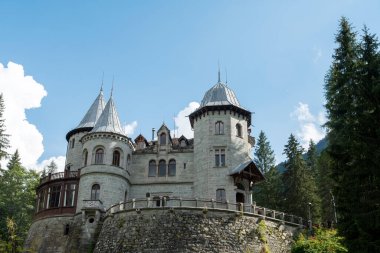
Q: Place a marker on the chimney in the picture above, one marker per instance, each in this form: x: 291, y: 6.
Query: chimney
x: 153, y: 133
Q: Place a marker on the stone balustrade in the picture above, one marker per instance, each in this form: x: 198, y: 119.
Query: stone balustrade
x: 205, y: 205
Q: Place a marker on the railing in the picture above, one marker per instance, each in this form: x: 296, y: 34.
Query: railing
x: 59, y: 175
x: 205, y: 205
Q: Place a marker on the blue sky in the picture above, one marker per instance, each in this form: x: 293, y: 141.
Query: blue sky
x: 164, y: 55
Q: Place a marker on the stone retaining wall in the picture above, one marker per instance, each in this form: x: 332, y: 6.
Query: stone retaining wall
x: 182, y: 230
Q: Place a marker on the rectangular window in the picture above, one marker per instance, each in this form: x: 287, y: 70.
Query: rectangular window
x: 221, y: 195
x: 220, y: 158
x: 41, y: 201
x: 55, y: 194
x: 69, y: 194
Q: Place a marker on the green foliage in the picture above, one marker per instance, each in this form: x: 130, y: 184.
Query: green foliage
x: 264, y: 155
x: 299, y: 184
x: 353, y: 109
x: 4, y: 142
x: 268, y: 192
x: 324, y: 241
x: 261, y: 231
x: 17, y: 197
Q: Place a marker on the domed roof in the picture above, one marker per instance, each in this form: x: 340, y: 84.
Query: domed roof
x: 220, y: 94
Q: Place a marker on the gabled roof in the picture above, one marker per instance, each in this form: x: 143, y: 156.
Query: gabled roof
x: 141, y: 138
x: 109, y: 120
x: 93, y: 113
x: 247, y: 170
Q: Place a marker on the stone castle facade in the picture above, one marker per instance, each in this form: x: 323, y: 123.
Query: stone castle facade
x: 105, y: 168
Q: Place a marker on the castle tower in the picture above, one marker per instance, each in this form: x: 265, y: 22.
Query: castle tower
x: 106, y: 157
x: 74, y: 159
x: 222, y: 147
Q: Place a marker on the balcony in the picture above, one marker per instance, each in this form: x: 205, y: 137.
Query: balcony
x: 59, y: 175
x: 93, y: 205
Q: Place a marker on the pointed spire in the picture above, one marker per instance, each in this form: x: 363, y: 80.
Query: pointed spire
x: 113, y: 79
x: 218, y: 72
x: 109, y: 120
x: 94, y: 112
x: 101, y: 87
x: 226, y: 76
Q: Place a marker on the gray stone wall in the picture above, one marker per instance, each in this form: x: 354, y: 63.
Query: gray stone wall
x: 191, y: 231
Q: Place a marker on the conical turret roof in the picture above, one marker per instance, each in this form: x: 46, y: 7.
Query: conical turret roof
x: 109, y: 120
x: 93, y: 113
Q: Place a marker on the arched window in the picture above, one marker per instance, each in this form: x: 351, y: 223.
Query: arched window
x: 219, y: 127
x: 116, y: 158
x: 163, y: 139
x: 85, y: 157
x: 238, y: 130
x: 95, y: 192
x: 99, y: 155
x: 162, y: 168
x: 152, y: 169
x: 172, y: 168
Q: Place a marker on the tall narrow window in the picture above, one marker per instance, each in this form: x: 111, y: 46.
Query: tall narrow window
x: 55, y: 194
x: 219, y: 127
x: 41, y: 200
x: 221, y: 195
x: 99, y: 155
x: 125, y: 196
x: 72, y: 143
x: 69, y: 194
x: 162, y: 168
x: 85, y: 157
x: 95, y: 192
x: 163, y: 139
x: 128, y: 159
x: 172, y: 168
x: 220, y: 158
x: 238, y: 130
x: 116, y: 158
x: 152, y: 169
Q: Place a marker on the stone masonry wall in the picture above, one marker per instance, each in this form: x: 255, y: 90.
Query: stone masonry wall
x: 182, y: 230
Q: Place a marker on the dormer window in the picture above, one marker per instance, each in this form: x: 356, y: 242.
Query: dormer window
x: 238, y: 130
x: 219, y: 127
x: 182, y: 144
x: 163, y: 139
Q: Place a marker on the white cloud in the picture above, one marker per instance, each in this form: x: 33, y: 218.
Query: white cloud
x: 310, y: 125
x: 59, y: 160
x: 20, y: 93
x: 129, y: 129
x: 182, y: 121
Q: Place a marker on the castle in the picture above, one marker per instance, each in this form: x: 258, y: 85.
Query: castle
x: 105, y: 169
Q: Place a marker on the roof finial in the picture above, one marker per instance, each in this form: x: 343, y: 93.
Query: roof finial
x: 101, y: 86
x: 226, y: 76
x: 218, y: 72
x: 113, y: 79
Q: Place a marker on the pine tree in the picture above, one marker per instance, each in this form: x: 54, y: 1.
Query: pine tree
x: 264, y: 155
x: 51, y: 168
x: 353, y: 109
x: 299, y: 185
x: 4, y: 142
x: 312, y: 158
x: 267, y: 193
